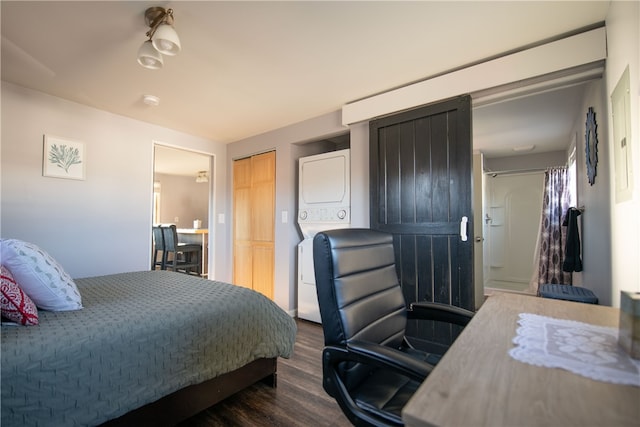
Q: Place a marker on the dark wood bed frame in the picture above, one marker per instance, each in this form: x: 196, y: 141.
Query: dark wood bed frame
x: 187, y: 402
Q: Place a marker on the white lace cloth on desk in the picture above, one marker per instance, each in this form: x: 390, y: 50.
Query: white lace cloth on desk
x: 588, y: 350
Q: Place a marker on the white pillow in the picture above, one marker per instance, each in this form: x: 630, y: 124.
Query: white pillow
x: 40, y: 276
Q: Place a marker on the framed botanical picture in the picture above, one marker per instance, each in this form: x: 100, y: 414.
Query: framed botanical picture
x: 63, y: 158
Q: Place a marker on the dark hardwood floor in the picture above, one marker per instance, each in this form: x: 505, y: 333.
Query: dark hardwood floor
x: 298, y: 400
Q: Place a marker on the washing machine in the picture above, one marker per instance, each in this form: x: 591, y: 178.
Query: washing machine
x: 324, y: 203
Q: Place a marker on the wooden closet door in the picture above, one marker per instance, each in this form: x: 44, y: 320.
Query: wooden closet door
x: 254, y: 222
x: 242, y: 259
x: 263, y: 180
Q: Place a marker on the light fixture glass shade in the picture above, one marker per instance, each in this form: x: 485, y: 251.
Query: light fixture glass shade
x: 166, y: 40
x: 151, y: 100
x: 149, y: 57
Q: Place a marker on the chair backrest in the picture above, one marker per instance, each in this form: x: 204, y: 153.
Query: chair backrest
x: 358, y: 290
x: 170, y: 237
x: 158, y: 238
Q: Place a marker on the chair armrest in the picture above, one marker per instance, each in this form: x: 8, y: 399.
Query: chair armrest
x: 379, y: 356
x: 424, y: 310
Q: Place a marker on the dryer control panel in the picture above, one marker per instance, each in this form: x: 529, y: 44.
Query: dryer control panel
x: 330, y: 214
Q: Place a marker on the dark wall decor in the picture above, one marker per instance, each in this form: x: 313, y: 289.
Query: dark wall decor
x: 591, y: 145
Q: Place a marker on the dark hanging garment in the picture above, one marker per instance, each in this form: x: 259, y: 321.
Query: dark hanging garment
x: 572, y: 261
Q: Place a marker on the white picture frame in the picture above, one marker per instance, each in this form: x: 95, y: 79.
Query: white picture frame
x: 63, y: 158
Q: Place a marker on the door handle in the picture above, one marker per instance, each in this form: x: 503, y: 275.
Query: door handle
x: 463, y: 228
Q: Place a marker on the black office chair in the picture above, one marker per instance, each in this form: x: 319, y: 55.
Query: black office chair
x: 158, y: 249
x: 368, y: 365
x: 181, y: 257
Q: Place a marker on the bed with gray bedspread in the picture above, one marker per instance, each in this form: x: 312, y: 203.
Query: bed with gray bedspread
x: 139, y: 337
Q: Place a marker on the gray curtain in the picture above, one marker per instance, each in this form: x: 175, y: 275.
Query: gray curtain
x: 551, y: 245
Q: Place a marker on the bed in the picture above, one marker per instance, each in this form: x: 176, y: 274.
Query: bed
x: 147, y: 348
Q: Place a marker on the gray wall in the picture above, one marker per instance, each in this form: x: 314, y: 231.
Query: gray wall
x: 596, y: 220
x: 623, y: 39
x: 289, y: 146
x: 101, y: 225
x: 598, y: 276
x: 184, y: 198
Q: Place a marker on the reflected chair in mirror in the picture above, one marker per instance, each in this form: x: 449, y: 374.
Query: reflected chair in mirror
x: 158, y: 258
x: 181, y: 257
x: 368, y: 365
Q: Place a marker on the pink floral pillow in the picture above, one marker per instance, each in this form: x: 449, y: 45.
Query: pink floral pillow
x: 15, y: 304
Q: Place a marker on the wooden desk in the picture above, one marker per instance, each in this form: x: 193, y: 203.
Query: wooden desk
x: 199, y: 236
x: 477, y: 383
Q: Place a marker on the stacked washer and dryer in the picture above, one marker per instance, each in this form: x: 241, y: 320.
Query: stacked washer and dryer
x: 324, y: 203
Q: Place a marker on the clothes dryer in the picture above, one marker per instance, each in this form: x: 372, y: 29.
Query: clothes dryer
x: 324, y: 203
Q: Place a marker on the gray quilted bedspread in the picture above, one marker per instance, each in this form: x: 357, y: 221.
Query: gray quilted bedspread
x: 139, y: 337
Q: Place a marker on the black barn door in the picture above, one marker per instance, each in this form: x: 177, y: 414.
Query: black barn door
x: 421, y: 189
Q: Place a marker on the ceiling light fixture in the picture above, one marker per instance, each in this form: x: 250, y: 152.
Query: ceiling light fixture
x: 151, y: 100
x: 203, y: 176
x: 163, y: 38
x: 524, y: 148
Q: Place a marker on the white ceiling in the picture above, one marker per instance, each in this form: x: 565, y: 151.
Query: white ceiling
x: 542, y: 120
x: 175, y: 161
x: 250, y: 67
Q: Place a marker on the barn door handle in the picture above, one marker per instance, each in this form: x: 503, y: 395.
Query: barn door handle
x: 463, y: 228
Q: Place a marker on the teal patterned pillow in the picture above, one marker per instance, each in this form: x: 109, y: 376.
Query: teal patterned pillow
x: 40, y: 276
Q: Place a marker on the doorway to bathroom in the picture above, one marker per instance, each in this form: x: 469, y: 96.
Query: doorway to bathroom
x: 511, y: 222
